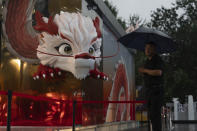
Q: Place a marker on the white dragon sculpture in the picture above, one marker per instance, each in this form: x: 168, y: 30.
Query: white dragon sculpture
x: 66, y: 42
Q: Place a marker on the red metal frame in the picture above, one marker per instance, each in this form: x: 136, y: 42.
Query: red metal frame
x: 56, y: 122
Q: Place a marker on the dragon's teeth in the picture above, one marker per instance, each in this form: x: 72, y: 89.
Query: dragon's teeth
x: 37, y: 77
x: 52, y: 75
x: 44, y: 76
x: 98, y: 76
x: 104, y: 77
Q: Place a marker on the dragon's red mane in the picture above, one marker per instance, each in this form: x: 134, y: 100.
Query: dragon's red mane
x: 52, y: 28
x: 49, y: 27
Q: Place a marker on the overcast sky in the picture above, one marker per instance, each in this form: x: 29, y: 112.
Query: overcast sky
x: 141, y: 7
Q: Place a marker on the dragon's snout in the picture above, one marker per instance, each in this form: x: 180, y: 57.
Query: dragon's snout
x: 84, y: 56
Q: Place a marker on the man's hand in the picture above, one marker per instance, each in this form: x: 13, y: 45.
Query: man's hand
x: 141, y: 70
x: 150, y: 72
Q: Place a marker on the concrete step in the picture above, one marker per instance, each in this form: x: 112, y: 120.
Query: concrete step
x: 113, y: 126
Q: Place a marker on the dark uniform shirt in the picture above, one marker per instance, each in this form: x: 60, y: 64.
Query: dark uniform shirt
x: 155, y: 63
x: 154, y: 84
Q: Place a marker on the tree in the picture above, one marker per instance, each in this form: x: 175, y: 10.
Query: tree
x: 137, y: 20
x: 113, y: 8
x: 133, y: 19
x: 181, y: 76
x: 114, y: 11
x: 122, y: 22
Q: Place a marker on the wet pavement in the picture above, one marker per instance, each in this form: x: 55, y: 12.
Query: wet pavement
x: 185, y: 127
x: 176, y: 127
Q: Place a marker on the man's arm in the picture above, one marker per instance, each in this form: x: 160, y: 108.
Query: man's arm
x: 150, y: 72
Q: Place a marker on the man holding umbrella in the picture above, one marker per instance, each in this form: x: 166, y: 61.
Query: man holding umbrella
x: 153, y: 80
x: 151, y: 41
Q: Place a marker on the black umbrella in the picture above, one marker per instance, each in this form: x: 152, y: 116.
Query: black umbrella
x: 138, y: 38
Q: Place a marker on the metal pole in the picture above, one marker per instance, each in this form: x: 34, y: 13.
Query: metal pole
x: 9, y: 110
x: 74, y: 106
x: 149, y: 122
x: 133, y: 111
x: 0, y: 40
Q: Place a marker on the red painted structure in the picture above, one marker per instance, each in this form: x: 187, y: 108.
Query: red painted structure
x: 28, y: 110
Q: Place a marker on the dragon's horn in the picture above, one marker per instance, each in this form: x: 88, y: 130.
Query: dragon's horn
x: 96, y: 22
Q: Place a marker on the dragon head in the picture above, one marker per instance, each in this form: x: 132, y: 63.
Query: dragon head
x: 70, y: 42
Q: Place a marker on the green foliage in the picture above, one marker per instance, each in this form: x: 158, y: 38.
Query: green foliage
x: 136, y: 19
x: 122, y: 22
x: 113, y: 8
x: 114, y: 11
x: 133, y: 19
x: 181, y: 76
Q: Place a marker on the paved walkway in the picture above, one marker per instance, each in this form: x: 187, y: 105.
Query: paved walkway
x: 177, y: 127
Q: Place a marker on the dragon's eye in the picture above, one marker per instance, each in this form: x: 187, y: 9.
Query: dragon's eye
x: 64, y: 49
x: 91, y: 50
x: 95, y: 47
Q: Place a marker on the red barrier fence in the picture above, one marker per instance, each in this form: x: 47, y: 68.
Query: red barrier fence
x: 29, y: 110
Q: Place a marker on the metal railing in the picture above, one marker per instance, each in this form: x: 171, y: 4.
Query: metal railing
x: 75, y: 105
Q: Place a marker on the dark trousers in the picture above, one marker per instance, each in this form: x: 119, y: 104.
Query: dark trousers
x: 154, y: 103
x: 154, y: 112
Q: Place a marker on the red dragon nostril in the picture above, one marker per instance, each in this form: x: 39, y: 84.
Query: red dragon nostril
x: 84, y: 56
